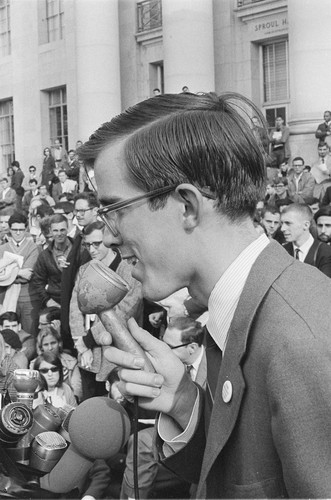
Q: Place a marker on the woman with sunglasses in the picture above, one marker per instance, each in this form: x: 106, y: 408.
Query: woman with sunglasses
x: 52, y: 389
x: 49, y: 340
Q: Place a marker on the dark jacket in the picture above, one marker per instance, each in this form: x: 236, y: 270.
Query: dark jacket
x: 47, y: 273
x: 319, y: 255
x: 77, y: 257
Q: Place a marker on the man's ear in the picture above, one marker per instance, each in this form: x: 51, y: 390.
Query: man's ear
x: 192, y: 201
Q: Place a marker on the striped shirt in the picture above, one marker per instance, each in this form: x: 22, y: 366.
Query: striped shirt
x: 225, y: 295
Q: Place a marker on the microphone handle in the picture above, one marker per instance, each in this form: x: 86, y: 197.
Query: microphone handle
x: 68, y: 473
x: 122, y: 338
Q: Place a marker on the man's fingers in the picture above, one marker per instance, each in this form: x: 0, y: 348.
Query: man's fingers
x: 149, y: 343
x: 124, y: 359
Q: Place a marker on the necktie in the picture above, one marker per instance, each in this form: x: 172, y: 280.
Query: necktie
x: 323, y: 161
x: 189, y: 369
x: 297, y: 252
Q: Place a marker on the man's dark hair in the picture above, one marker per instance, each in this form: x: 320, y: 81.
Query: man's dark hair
x: 271, y: 209
x: 44, y: 211
x: 33, y: 181
x: 51, y: 313
x: 66, y: 206
x: 94, y: 226
x: 90, y: 197
x: 324, y: 211
x: 68, y: 196
x: 9, y: 316
x: 298, y: 158
x: 4, y: 179
x: 205, y: 140
x: 32, y: 166
x: 191, y: 330
x: 17, y: 218
x: 279, y: 180
x: 71, y: 151
x: 61, y: 171
x: 57, y: 219
x: 322, y: 144
x: 15, y: 163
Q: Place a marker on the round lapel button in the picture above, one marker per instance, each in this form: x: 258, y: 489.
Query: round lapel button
x: 227, y: 391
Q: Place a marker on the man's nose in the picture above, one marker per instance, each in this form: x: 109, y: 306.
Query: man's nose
x: 110, y: 240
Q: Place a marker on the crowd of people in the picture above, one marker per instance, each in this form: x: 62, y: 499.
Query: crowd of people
x: 51, y: 228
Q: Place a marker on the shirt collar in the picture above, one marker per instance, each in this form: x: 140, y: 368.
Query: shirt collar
x: 304, y: 248
x: 225, y: 295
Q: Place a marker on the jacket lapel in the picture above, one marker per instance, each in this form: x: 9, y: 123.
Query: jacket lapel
x: 268, y: 266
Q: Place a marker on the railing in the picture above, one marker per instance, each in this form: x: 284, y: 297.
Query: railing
x: 149, y: 15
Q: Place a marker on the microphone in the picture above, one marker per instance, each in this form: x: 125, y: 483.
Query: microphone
x: 25, y: 382
x: 98, y: 428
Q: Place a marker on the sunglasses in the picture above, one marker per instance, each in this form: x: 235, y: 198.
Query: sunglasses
x: 53, y: 369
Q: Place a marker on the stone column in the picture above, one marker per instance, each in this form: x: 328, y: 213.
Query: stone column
x: 188, y: 43
x: 309, y: 62
x: 97, y: 63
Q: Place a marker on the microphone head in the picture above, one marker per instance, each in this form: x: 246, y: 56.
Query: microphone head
x: 99, y: 427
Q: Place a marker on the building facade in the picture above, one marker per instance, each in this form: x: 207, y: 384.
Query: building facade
x: 66, y: 66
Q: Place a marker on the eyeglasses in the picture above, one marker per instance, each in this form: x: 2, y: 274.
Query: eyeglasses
x: 53, y: 369
x: 94, y: 244
x: 172, y: 347
x: 17, y: 230
x: 105, y: 212
x: 108, y: 213
x: 82, y: 211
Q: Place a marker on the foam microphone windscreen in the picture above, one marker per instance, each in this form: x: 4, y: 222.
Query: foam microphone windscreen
x: 98, y: 428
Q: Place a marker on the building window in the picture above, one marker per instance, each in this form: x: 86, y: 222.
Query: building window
x: 149, y: 15
x: 275, y: 72
x: 58, y: 117
x: 7, y: 142
x: 55, y: 20
x: 5, y: 45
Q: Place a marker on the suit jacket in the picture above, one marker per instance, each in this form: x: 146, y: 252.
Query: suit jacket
x: 272, y: 438
x: 319, y: 255
x: 305, y: 187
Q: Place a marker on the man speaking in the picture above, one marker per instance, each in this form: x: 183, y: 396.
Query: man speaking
x: 178, y: 177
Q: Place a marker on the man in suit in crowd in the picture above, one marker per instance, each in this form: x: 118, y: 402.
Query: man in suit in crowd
x: 186, y: 168
x: 296, y: 221
x: 323, y: 131
x: 85, y: 211
x: 321, y: 170
x: 300, y: 184
x: 323, y: 224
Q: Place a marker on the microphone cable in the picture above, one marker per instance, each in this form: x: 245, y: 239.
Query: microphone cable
x: 135, y: 448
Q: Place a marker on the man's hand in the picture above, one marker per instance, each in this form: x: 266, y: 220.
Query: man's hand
x: 169, y: 389
x: 25, y: 273
x: 86, y: 359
